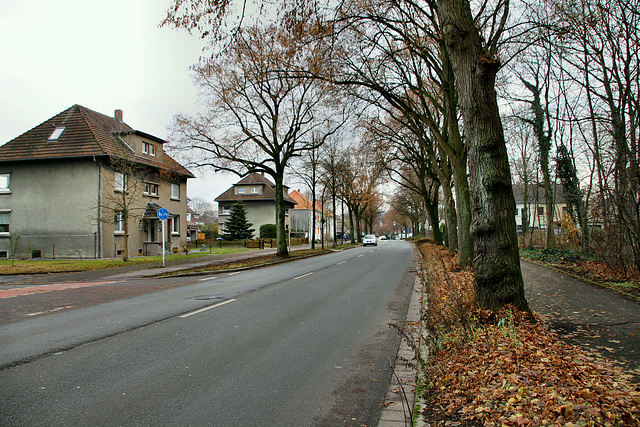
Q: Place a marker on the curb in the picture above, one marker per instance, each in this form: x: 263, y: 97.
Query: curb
x: 399, y: 402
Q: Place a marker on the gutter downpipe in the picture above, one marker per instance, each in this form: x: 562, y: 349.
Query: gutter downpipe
x: 98, y: 233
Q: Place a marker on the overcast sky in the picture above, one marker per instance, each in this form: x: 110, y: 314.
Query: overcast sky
x: 103, y: 55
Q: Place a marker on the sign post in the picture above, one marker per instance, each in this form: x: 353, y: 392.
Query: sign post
x: 163, y: 214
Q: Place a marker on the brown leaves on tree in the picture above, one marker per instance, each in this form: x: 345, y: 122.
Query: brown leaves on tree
x: 500, y: 368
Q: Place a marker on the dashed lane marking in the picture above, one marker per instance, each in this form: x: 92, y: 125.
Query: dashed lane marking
x: 206, y: 308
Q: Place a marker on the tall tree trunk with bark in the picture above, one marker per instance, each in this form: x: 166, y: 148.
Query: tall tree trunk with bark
x: 496, y: 258
x: 280, y: 217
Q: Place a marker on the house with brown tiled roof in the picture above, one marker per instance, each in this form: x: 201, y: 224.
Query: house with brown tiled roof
x: 534, y: 212
x: 258, y: 195
x: 302, y: 218
x: 57, y: 180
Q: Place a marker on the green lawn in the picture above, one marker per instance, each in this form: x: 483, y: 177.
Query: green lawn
x: 35, y: 266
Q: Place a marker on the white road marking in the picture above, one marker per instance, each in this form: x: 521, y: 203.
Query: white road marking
x: 304, y: 275
x: 235, y: 272
x: 341, y: 262
x: 360, y: 256
x: 206, y: 308
x: 207, y: 278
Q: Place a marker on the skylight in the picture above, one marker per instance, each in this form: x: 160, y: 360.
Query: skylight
x: 56, y: 134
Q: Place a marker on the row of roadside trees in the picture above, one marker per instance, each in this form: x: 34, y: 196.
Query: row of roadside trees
x: 419, y: 80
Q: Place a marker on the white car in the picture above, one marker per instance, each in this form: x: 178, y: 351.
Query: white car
x: 369, y: 239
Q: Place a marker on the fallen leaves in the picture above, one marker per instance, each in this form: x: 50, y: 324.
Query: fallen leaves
x: 500, y: 368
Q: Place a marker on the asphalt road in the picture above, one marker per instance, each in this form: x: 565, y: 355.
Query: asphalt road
x: 301, y: 343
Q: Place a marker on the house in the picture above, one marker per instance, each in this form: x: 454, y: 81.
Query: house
x: 192, y: 225
x: 302, y: 218
x: 536, y: 206
x: 258, y: 195
x: 68, y: 184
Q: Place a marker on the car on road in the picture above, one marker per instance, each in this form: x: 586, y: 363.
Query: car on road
x: 369, y: 239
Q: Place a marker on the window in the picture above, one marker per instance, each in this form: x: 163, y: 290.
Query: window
x: 175, y: 191
x: 4, y: 183
x: 255, y: 190
x: 522, y: 211
x: 241, y: 190
x: 540, y: 210
x: 150, y: 189
x: 148, y: 148
x: 56, y: 133
x: 119, y: 182
x: 118, y: 223
x: 226, y: 209
x: 4, y: 222
x: 175, y: 225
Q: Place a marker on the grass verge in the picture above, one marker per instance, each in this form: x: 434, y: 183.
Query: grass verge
x: 40, y: 266
x: 246, y: 263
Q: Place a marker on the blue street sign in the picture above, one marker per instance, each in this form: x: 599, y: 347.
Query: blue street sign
x: 163, y: 214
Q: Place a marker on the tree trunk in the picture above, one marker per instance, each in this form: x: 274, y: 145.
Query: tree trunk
x: 496, y: 258
x: 450, y: 218
x: 280, y: 218
x: 463, y: 211
x: 457, y: 152
x: 432, y: 209
x: 313, y: 217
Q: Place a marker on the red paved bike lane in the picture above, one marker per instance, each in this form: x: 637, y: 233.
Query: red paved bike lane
x: 15, y: 292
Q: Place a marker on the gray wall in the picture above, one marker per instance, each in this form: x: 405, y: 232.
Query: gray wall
x: 52, y: 203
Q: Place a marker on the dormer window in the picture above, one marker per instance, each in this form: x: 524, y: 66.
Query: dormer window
x: 148, y: 148
x: 56, y: 133
x: 240, y: 190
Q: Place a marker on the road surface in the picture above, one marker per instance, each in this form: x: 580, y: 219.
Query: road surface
x: 301, y: 343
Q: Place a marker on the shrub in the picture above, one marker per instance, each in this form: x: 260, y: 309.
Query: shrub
x: 268, y: 231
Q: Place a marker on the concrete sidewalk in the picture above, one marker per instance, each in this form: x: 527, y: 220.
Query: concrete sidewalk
x: 594, y: 318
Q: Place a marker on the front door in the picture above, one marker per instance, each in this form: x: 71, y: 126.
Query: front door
x: 152, y: 230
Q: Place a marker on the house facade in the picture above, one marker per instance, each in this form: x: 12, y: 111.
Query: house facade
x: 535, y: 213
x: 258, y: 195
x: 302, y: 218
x: 68, y: 186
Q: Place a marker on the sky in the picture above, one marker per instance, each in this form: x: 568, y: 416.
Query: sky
x: 103, y: 55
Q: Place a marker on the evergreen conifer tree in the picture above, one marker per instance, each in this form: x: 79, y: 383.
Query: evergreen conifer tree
x: 237, y: 226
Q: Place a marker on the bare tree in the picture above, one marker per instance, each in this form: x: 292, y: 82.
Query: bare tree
x: 259, y: 118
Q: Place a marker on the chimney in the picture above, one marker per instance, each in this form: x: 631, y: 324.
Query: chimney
x: 118, y: 114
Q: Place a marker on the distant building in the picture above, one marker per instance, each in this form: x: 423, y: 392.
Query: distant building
x: 536, y: 206
x: 56, y: 179
x: 258, y: 195
x: 302, y: 218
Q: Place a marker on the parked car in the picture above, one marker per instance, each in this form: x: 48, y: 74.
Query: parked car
x: 369, y: 239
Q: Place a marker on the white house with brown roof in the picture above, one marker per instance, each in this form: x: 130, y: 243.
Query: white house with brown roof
x: 302, y: 218
x: 258, y: 195
x: 535, y: 211
x: 57, y: 180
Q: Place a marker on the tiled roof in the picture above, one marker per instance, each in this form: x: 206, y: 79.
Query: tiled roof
x: 86, y: 133
x: 518, y: 193
x: 303, y: 201
x: 268, y: 191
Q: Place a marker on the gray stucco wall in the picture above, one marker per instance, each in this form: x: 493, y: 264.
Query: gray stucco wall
x: 53, y: 207
x: 258, y: 214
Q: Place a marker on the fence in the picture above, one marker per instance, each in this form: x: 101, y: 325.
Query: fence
x: 249, y: 243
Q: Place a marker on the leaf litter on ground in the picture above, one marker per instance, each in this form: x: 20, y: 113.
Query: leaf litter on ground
x: 507, y: 368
